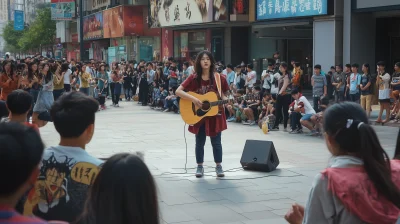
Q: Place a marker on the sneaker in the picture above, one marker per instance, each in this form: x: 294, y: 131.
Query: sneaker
x: 199, y: 171
x: 219, y: 171
x: 231, y: 119
x: 245, y: 122
x: 116, y: 105
x: 292, y: 131
x: 251, y: 123
x: 299, y: 131
x: 285, y: 130
x: 275, y: 129
x: 312, y: 133
x: 166, y: 110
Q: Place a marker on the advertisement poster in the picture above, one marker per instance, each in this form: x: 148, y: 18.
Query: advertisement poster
x: 133, y: 21
x: 220, y: 10
x: 63, y: 9
x: 113, y: 22
x: 164, y: 13
x: 167, y: 43
x: 184, y: 44
x: 19, y: 20
x: 123, y: 21
x: 277, y: 9
x: 93, y: 26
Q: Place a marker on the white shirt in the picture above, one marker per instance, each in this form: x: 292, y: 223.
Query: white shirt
x: 308, y: 109
x: 267, y: 80
x: 253, y: 76
x: 275, y: 88
x: 225, y: 72
x: 66, y: 77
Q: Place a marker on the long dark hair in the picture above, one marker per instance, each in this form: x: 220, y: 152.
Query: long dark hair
x: 397, y: 150
x: 30, y: 71
x: 11, y: 67
x: 199, y: 70
x: 48, y: 77
x: 64, y: 67
x: 119, y: 197
x: 358, y: 138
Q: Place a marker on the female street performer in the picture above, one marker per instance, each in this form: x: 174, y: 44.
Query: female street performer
x: 205, y: 80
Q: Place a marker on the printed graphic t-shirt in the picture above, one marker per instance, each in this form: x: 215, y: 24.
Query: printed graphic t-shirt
x: 65, y: 176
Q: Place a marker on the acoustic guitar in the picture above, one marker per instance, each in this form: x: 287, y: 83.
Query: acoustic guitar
x: 191, y: 114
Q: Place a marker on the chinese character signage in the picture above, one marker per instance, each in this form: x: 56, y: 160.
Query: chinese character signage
x: 180, y: 12
x: 277, y: 9
x: 93, y: 26
x: 19, y: 20
x: 63, y: 9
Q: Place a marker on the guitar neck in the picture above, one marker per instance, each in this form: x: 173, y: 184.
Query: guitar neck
x: 221, y: 102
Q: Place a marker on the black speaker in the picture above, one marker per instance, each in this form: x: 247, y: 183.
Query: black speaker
x: 259, y: 156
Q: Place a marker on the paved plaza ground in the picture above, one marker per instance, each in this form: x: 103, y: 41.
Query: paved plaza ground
x: 242, y: 197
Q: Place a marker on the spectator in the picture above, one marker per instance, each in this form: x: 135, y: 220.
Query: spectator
x: 339, y: 83
x: 318, y: 81
x: 9, y: 80
x: 171, y: 101
x: 186, y: 71
x: 3, y: 109
x: 19, y: 104
x: 383, y: 80
x: 18, y: 145
x: 365, y: 87
x: 301, y: 114
x: 230, y: 75
x: 45, y: 98
x: 348, y: 73
x: 252, y: 106
x: 251, y: 77
x: 240, y: 78
x: 361, y: 183
x: 283, y: 98
x: 267, y: 77
x: 67, y: 170
x: 121, y: 197
x: 354, y: 84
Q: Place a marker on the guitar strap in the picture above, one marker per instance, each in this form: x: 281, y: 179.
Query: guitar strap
x: 217, y: 77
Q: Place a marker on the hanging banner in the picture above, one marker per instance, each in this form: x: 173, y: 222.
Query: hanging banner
x: 179, y: 12
x: 19, y: 20
x: 93, y: 26
x: 63, y: 9
x: 278, y: 9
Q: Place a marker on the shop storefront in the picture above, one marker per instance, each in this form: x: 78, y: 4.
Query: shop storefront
x: 377, y: 41
x: 93, y: 35
x: 182, y: 39
x: 298, y: 30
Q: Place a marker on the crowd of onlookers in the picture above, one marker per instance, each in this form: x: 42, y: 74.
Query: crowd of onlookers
x: 361, y: 184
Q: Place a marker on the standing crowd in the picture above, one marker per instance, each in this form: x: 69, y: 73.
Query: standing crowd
x: 64, y: 183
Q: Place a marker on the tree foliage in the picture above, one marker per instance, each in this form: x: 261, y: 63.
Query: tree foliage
x: 42, y: 31
x: 11, y: 36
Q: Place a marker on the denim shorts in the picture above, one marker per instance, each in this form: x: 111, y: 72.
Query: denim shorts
x: 307, y: 117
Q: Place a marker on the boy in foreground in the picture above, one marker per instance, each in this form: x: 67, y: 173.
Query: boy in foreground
x: 67, y: 170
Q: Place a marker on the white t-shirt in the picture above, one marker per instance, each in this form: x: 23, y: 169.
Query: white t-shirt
x: 308, y: 109
x: 190, y: 70
x: 267, y: 80
x: 253, y: 76
x: 275, y: 88
x: 66, y: 77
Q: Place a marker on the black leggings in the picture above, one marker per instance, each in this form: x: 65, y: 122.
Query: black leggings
x: 282, y: 106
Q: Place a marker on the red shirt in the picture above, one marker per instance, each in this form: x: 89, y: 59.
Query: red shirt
x: 9, y: 215
x: 215, y: 124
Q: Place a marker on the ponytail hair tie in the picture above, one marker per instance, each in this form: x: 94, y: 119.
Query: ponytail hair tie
x: 350, y: 123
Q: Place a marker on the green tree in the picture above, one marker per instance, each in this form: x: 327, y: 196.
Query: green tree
x: 11, y: 36
x: 42, y: 31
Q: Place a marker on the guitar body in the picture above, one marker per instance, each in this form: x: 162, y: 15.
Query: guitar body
x: 192, y: 114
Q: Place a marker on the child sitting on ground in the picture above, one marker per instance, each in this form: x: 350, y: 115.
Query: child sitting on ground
x: 317, y: 119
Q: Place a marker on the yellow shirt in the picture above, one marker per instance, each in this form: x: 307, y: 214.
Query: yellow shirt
x: 58, y: 83
x: 85, y: 77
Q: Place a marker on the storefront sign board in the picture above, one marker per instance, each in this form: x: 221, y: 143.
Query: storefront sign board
x: 123, y: 21
x: 63, y: 9
x: 279, y: 9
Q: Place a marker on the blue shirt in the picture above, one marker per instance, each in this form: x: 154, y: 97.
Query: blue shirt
x: 355, y: 81
x: 231, y: 77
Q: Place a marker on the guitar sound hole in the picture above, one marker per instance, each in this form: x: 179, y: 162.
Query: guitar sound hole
x: 206, y: 106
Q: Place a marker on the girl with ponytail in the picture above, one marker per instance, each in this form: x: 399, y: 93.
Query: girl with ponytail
x: 361, y: 184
